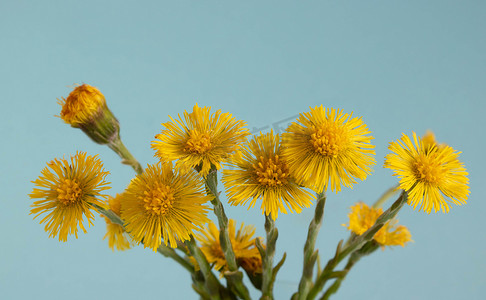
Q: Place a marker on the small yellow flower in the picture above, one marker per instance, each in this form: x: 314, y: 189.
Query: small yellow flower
x: 242, y: 241
x: 327, y: 145
x: 430, y: 173
x: 68, y: 191
x: 200, y: 139
x: 86, y: 108
x: 259, y: 170
x: 115, y: 233
x: 162, y: 203
x: 362, y: 217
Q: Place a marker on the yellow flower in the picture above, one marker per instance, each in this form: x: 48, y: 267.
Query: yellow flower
x: 163, y: 203
x: 68, y: 191
x: 258, y: 170
x: 363, y: 217
x: 86, y: 108
x: 200, y: 140
x: 327, y: 145
x: 242, y: 241
x: 430, y: 173
x: 115, y: 233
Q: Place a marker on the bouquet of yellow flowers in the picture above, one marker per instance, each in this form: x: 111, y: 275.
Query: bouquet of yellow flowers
x: 166, y: 206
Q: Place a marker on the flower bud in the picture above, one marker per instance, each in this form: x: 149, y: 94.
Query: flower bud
x: 86, y: 108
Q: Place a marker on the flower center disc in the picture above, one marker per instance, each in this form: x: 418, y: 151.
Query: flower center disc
x: 329, y: 139
x: 428, y: 169
x: 158, y: 201
x: 271, y: 172
x: 69, y: 192
x: 198, y: 142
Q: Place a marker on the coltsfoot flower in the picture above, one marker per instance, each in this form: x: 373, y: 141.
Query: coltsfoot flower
x: 242, y: 241
x: 69, y: 190
x: 362, y: 217
x: 431, y: 173
x: 328, y: 146
x: 86, y: 108
x: 200, y: 139
x: 115, y: 233
x: 259, y: 170
x: 163, y: 203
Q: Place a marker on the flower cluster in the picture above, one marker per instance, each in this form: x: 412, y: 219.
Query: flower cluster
x: 165, y: 206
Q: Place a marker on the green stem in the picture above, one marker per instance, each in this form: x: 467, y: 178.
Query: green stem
x: 127, y: 158
x: 233, y: 276
x: 337, y: 283
x: 267, y: 260
x: 212, y: 283
x: 198, y: 287
x: 356, y: 243
x: 367, y: 249
x: 387, y: 195
x: 169, y: 252
x: 310, y: 255
x: 163, y: 249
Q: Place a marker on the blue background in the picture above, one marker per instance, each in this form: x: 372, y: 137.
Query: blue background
x: 403, y: 65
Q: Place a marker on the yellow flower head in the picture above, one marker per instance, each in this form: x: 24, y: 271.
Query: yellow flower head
x: 200, y: 140
x: 115, y: 233
x: 327, y: 145
x: 68, y: 191
x: 258, y: 170
x: 242, y: 241
x: 82, y: 104
x: 430, y: 173
x: 162, y: 203
x: 362, y: 217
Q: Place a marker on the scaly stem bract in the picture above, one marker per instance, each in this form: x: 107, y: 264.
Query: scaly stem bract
x: 234, y: 276
x: 267, y: 260
x: 310, y: 255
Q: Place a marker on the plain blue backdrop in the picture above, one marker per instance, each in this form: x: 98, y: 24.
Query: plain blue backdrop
x: 402, y: 65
